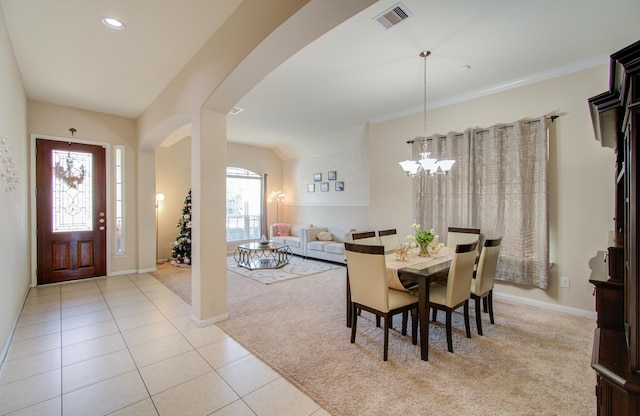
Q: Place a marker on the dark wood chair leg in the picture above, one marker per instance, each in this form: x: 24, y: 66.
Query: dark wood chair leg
x: 434, y: 314
x: 354, y: 322
x: 377, y: 321
x: 449, y: 337
x: 490, y: 302
x: 467, y: 327
x: 478, y: 316
x: 386, y: 337
x: 485, y: 307
x: 405, y: 317
x: 414, y: 326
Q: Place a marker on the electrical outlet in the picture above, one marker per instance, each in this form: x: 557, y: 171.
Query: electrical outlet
x: 564, y: 282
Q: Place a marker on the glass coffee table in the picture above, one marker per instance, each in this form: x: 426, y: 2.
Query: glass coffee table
x: 255, y: 255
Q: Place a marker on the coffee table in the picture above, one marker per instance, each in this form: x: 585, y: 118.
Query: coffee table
x: 255, y: 256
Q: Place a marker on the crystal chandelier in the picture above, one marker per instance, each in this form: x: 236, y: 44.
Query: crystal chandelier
x: 426, y: 164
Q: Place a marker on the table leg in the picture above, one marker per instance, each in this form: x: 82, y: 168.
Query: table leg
x: 423, y: 317
x: 349, y: 308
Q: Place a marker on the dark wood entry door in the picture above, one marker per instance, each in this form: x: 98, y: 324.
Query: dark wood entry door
x: 71, y: 211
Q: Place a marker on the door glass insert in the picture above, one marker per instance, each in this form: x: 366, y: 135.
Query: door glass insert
x: 72, y: 191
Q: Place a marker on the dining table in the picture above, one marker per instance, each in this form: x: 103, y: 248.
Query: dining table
x: 422, y: 271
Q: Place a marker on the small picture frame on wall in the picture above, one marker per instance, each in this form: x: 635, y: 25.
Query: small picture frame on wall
x: 311, y: 187
x: 339, y: 186
x: 324, y: 187
x: 332, y: 175
x: 317, y: 177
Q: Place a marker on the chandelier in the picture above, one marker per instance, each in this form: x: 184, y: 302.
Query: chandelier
x: 430, y: 166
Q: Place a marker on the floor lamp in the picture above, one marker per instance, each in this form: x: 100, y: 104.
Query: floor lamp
x: 159, y: 198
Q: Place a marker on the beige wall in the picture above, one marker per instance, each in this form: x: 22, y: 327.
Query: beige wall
x: 580, y: 184
x: 54, y: 121
x: 14, y: 205
x: 173, y: 179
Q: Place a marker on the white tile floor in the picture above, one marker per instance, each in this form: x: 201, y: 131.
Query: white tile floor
x: 125, y: 346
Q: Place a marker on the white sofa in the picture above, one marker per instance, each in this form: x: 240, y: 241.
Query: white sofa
x: 293, y: 239
x: 327, y: 250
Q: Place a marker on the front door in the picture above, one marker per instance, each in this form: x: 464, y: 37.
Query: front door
x: 71, y: 211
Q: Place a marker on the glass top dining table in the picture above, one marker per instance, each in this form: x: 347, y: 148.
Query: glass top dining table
x: 422, y: 271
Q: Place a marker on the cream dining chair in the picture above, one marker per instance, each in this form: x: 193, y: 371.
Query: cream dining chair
x: 458, y: 235
x: 455, y: 293
x: 389, y: 239
x: 482, y: 285
x: 367, y: 270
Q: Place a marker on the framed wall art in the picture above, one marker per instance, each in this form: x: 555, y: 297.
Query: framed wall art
x: 340, y: 186
x: 317, y: 177
x: 324, y: 187
x: 332, y: 175
x: 311, y: 187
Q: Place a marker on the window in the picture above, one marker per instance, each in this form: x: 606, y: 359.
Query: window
x: 245, y: 196
x: 119, y: 201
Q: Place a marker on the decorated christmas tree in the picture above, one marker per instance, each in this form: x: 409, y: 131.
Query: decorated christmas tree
x: 181, y: 252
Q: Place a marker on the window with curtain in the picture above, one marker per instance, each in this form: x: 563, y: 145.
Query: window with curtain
x: 499, y: 185
x: 245, y: 208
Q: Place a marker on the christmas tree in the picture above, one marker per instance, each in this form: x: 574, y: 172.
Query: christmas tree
x: 181, y: 252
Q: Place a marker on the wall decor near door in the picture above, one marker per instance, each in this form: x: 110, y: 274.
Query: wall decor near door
x: 339, y: 186
x: 71, y: 211
x: 331, y: 175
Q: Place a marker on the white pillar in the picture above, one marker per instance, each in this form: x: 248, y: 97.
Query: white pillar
x: 208, y: 214
x: 146, y: 211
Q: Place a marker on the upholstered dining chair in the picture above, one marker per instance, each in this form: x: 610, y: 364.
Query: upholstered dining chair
x: 455, y: 293
x: 457, y: 235
x: 366, y: 237
x: 370, y: 292
x: 389, y: 239
x: 482, y: 284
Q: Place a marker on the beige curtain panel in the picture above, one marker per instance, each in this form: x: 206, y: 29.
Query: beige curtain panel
x: 498, y: 184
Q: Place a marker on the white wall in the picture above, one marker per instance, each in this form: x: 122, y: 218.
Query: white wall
x: 580, y: 181
x: 348, y: 208
x: 14, y: 205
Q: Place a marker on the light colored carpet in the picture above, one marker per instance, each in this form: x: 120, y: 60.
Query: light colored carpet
x: 531, y: 362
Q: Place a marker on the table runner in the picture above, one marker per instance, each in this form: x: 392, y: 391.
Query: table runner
x: 415, y: 262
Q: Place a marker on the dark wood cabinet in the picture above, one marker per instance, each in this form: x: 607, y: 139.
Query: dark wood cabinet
x: 615, y: 273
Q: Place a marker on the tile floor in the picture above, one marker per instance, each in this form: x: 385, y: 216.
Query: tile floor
x: 125, y: 345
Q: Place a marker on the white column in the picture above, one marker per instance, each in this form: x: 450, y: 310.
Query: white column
x: 146, y: 211
x: 208, y: 214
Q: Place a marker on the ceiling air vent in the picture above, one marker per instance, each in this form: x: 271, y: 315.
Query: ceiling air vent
x: 393, y: 16
x: 236, y: 110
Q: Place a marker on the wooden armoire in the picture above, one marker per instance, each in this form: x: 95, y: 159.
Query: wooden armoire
x: 616, y: 271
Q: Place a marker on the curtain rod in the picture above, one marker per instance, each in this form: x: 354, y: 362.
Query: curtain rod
x: 552, y: 117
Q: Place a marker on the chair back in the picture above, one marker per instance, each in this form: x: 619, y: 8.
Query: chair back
x: 389, y: 239
x: 367, y: 238
x: 368, y: 275
x: 457, y: 235
x: 486, y: 271
x: 461, y: 274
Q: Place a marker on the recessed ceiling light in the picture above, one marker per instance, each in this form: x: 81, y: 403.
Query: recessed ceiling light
x: 113, y: 23
x: 236, y: 110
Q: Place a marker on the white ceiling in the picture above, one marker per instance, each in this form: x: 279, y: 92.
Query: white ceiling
x: 321, y: 99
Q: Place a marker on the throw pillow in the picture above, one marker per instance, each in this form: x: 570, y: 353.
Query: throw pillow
x: 324, y: 236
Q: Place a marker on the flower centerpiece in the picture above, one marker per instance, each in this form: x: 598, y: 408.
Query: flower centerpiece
x: 422, y: 239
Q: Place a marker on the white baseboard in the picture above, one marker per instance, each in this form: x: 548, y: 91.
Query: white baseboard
x: 545, y: 305
x: 7, y: 344
x: 210, y: 321
x: 149, y: 270
x: 121, y: 272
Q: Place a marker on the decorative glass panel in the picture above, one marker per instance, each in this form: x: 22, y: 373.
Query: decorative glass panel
x: 72, y: 191
x: 119, y: 201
